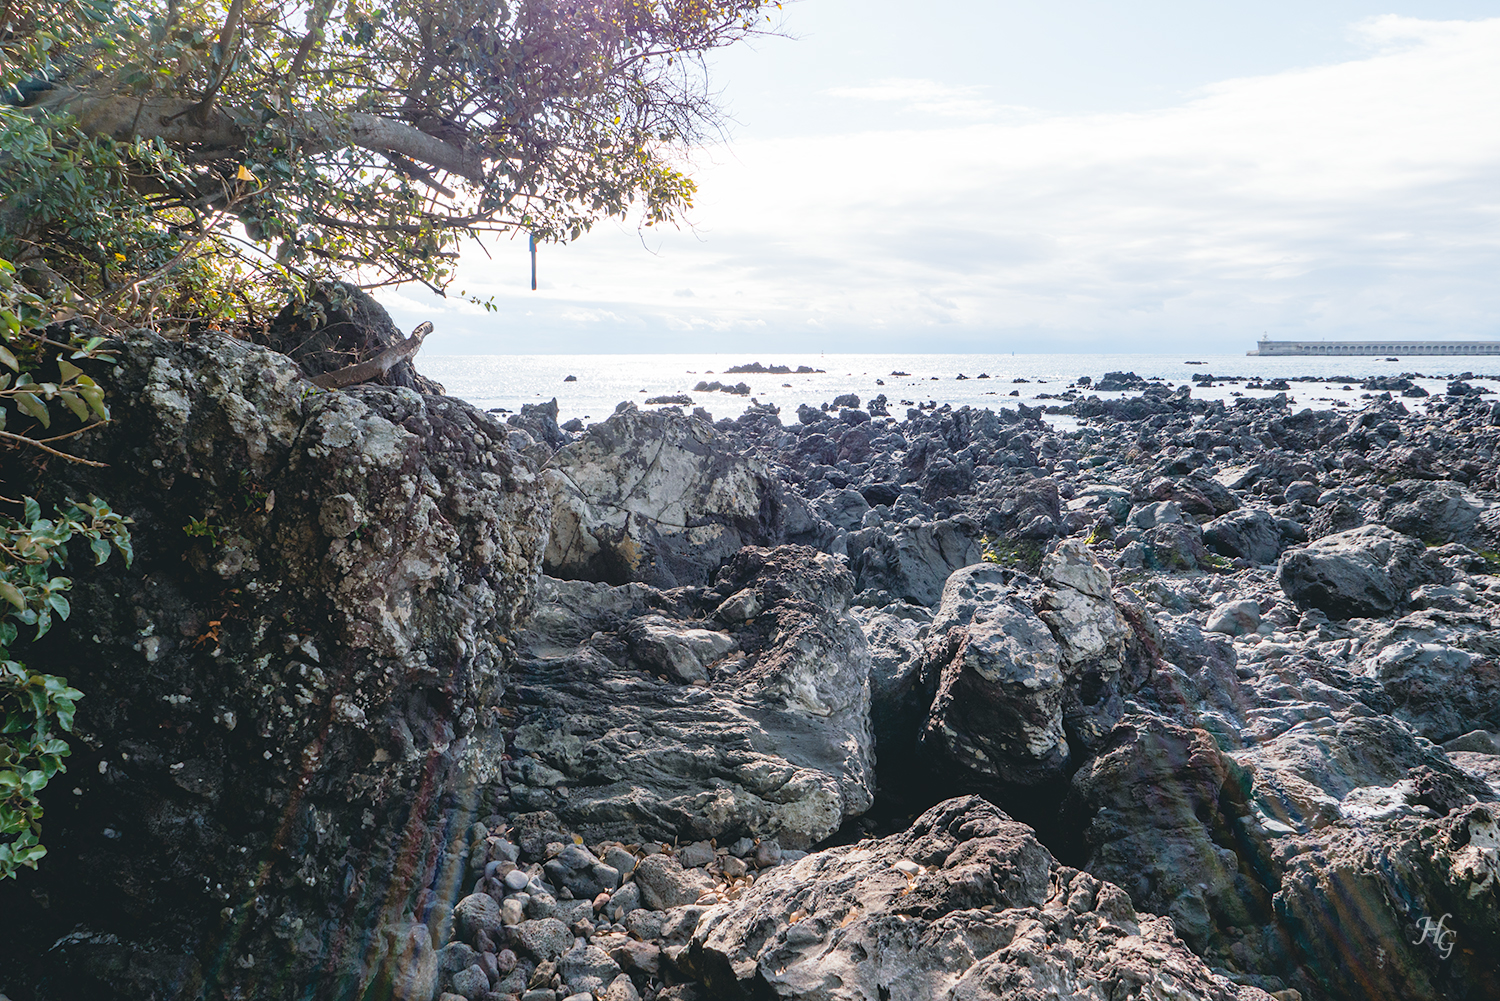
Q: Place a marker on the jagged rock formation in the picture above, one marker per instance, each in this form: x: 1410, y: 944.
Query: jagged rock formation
x: 739, y: 710
x: 657, y: 498
x: 964, y: 904
x: 289, y: 694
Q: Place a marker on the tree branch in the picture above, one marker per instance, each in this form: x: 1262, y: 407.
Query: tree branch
x: 200, y: 111
x: 126, y: 119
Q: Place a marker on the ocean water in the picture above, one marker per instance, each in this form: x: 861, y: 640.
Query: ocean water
x: 602, y: 381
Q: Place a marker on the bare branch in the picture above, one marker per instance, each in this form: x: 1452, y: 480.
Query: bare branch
x: 23, y: 440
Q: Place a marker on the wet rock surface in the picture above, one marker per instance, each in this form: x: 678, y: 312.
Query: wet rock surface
x: 1195, y: 700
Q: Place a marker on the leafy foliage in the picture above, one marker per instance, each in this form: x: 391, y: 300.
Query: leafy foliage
x: 43, y: 387
x: 34, y: 707
x: 312, y: 139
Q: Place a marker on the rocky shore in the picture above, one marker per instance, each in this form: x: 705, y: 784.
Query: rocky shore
x: 1195, y: 701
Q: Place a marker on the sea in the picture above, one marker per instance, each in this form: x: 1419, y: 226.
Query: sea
x: 599, y: 383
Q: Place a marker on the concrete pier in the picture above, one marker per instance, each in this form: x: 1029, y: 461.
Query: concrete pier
x: 1371, y: 349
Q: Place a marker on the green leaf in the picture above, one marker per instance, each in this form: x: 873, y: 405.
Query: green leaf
x: 95, y: 396
x: 33, y: 407
x: 60, y: 605
x: 100, y: 549
x: 65, y: 368
x: 79, y: 408
x: 12, y: 594
x: 9, y: 360
x: 33, y: 510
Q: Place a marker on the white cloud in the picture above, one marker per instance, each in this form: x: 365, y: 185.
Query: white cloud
x: 927, y: 97
x: 1352, y: 198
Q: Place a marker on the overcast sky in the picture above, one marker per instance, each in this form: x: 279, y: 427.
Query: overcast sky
x: 1067, y: 175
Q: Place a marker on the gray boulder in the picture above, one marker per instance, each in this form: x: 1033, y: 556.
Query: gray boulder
x: 1359, y: 889
x: 1023, y: 508
x: 913, y: 559
x: 1141, y: 800
x: 655, y: 497
x: 1235, y: 618
x: 844, y: 508
x: 1172, y: 546
x: 1023, y: 665
x: 966, y: 904
x: 1440, y: 671
x: 1365, y: 572
x: 1252, y: 534
x: 773, y: 740
x: 997, y: 715
x: 1435, y: 511
x: 1324, y: 770
x: 1148, y: 516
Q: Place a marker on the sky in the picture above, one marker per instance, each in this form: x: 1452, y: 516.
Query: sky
x: 1062, y: 176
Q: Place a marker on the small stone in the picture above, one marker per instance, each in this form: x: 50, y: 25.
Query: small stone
x: 541, y: 905
x: 622, y: 861
x: 544, y: 938
x: 455, y: 956
x: 512, y: 911
x: 477, y: 913
x: 733, y: 867
x: 471, y: 983
x: 516, y: 880
x: 624, y: 900
x: 695, y: 855
x: 767, y: 853
x: 622, y: 988
x: 506, y: 960
x: 742, y: 848
x: 543, y: 974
